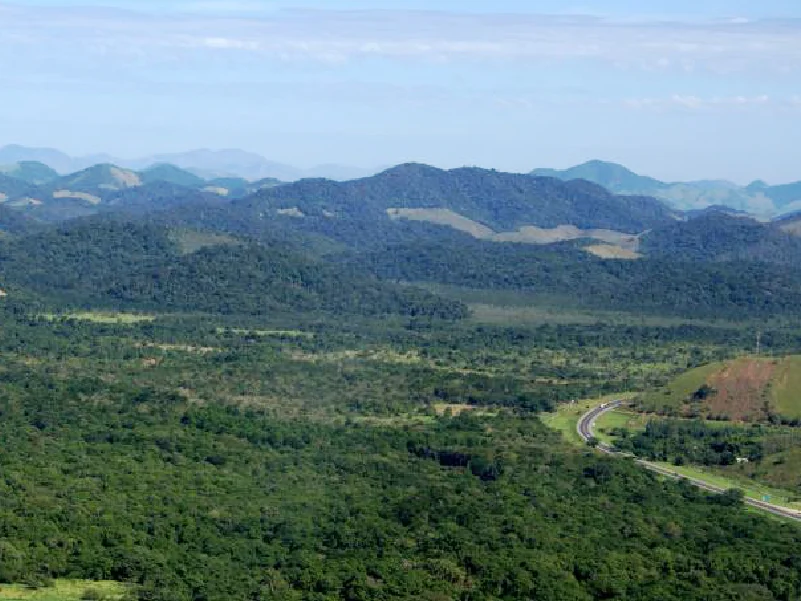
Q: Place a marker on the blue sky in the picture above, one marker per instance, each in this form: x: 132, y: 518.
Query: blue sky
x: 677, y: 90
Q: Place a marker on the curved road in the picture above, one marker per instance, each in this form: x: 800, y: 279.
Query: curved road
x: 586, y: 427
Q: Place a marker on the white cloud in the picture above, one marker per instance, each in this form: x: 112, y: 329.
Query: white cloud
x: 696, y: 103
x: 329, y: 36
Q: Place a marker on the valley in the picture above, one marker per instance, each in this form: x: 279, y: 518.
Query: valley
x: 370, y: 390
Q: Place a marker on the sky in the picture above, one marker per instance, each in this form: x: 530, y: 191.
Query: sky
x: 679, y: 90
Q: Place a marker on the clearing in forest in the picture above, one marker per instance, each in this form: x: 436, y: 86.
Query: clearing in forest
x: 786, y: 389
x: 63, y: 590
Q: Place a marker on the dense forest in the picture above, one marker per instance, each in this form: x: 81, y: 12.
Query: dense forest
x: 723, y: 289
x: 117, y: 264
x: 717, y: 236
x: 246, y: 472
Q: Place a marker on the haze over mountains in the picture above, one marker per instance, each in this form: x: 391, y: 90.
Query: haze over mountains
x: 40, y: 165
x: 757, y: 198
x: 207, y: 163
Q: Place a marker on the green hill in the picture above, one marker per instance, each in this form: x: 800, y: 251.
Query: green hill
x: 97, y: 180
x: 31, y: 172
x: 13, y: 221
x: 123, y: 265
x: 567, y: 273
x: 164, y: 172
x: 716, y: 236
x: 747, y: 389
x: 233, y: 187
x: 372, y: 212
x: 12, y: 188
x: 502, y: 201
x: 158, y: 196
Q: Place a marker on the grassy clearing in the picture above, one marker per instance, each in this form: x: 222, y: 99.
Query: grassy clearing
x: 539, y: 312
x: 63, y: 590
x: 618, y: 418
x: 565, y: 418
x: 190, y: 241
x: 512, y: 307
x: 459, y: 408
x: 786, y: 389
x: 267, y: 333
x: 398, y: 421
x: 184, y: 348
x: 103, y: 317
x: 610, y: 251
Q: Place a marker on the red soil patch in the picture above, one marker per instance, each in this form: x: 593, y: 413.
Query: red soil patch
x: 741, y: 390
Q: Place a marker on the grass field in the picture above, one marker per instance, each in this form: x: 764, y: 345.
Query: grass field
x: 532, y: 308
x: 267, y: 333
x: 459, y: 408
x: 64, y: 590
x: 618, y: 419
x: 786, y: 389
x: 190, y: 241
x: 103, y: 317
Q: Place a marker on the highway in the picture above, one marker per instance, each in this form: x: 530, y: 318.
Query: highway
x: 586, y: 428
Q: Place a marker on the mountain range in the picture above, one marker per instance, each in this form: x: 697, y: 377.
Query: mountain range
x: 206, y: 163
x: 757, y: 198
x: 230, y: 166
x: 105, y: 236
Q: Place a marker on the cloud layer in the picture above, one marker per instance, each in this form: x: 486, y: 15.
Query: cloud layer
x: 731, y: 46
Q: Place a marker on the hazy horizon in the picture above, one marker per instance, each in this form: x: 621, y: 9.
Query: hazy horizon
x: 678, y: 91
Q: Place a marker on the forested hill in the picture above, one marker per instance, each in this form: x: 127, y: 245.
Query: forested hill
x: 12, y: 187
x: 14, y: 222
x: 716, y: 236
x: 31, y: 172
x: 501, y: 201
x: 566, y: 272
x: 122, y: 265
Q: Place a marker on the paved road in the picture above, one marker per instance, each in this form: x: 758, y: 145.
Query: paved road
x: 586, y: 426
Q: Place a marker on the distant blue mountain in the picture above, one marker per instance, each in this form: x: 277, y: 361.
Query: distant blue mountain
x: 757, y: 198
x: 205, y: 163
